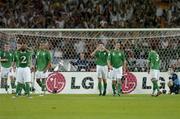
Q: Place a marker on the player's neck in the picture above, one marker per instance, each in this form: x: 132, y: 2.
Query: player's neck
x: 42, y: 49
x: 116, y: 49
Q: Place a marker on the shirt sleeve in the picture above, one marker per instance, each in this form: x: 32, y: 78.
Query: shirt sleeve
x: 49, y: 56
x: 123, y: 57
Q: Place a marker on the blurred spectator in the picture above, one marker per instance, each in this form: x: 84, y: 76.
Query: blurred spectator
x: 80, y: 46
x: 174, y: 83
x: 81, y: 63
x: 89, y: 14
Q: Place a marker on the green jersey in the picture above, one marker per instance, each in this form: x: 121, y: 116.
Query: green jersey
x: 43, y: 58
x: 101, y: 58
x: 23, y: 58
x: 116, y: 58
x: 9, y: 56
x: 154, y: 60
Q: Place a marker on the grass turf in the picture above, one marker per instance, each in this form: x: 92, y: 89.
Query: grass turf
x: 90, y: 107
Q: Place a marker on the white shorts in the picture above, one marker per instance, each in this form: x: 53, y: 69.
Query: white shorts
x: 102, y: 71
x: 5, y: 72
x: 41, y: 74
x: 23, y: 75
x: 154, y: 74
x: 116, y: 73
x: 12, y: 72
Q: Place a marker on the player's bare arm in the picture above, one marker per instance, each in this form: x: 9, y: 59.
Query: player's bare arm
x: 109, y: 65
x: 125, y: 66
x: 93, y: 53
x: 3, y: 60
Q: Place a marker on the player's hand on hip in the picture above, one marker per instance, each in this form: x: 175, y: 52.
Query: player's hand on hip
x: 110, y: 68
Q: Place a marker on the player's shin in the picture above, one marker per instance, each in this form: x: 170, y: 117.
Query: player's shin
x: 27, y: 87
x: 13, y: 85
x: 100, y: 86
x: 114, y: 87
x: 5, y: 84
x: 157, y: 86
x: 105, y: 86
x: 18, y: 89
x: 23, y: 87
x: 44, y: 84
x: 39, y: 82
x: 154, y: 88
x: 119, y: 86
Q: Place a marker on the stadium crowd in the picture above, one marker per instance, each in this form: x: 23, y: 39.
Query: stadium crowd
x: 136, y: 52
x: 89, y: 13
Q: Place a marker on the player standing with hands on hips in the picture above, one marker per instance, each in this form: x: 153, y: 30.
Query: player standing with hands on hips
x: 116, y: 65
x: 43, y: 63
x: 153, y: 69
x: 101, y: 54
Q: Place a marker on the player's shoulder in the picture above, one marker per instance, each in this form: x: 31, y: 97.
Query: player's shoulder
x: 152, y: 51
x: 47, y: 51
x: 29, y: 51
x: 112, y: 50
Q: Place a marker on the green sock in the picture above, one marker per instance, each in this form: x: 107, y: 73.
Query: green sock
x: 39, y: 82
x: 23, y: 88
x: 105, y: 86
x: 13, y: 84
x: 100, y: 87
x: 18, y: 89
x: 157, y: 87
x: 27, y: 87
x: 114, y: 88
x: 5, y: 84
x: 43, y: 84
x: 154, y: 87
x: 119, y: 88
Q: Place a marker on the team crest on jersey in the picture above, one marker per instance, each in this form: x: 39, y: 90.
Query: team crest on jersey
x: 55, y: 82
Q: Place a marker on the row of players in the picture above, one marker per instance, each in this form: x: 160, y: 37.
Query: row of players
x: 21, y: 61
x: 113, y: 60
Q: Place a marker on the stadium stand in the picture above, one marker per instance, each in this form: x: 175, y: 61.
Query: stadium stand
x: 89, y: 13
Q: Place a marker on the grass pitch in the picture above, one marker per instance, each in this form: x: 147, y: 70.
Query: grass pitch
x: 90, y: 107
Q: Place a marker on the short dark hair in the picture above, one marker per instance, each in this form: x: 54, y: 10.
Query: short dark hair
x: 100, y: 42
x: 153, y: 47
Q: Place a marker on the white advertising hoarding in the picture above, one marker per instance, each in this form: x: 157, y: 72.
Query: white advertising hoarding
x: 86, y: 83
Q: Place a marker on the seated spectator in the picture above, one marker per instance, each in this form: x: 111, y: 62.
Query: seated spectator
x: 81, y: 63
x: 174, y: 83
